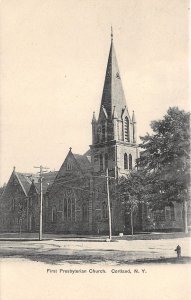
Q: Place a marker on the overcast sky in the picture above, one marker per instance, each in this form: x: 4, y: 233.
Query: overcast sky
x: 53, y: 60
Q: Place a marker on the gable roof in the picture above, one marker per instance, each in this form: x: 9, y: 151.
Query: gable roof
x: 83, y: 162
x: 25, y: 181
x: 80, y: 163
x: 47, y: 181
x: 88, y: 155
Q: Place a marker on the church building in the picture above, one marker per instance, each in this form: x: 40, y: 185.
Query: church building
x: 75, y: 199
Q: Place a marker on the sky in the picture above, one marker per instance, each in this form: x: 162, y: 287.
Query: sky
x: 53, y: 61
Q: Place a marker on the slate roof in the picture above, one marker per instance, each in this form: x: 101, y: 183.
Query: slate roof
x: 83, y: 162
x: 47, y: 181
x: 88, y: 155
x: 113, y: 94
x: 25, y: 181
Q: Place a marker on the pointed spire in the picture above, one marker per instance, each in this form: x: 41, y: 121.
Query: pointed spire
x: 114, y: 115
x: 93, y: 118
x: 104, y: 111
x: 113, y: 94
x: 133, y: 117
x: 111, y: 34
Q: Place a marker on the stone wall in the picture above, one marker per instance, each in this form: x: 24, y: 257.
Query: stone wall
x: 13, y: 208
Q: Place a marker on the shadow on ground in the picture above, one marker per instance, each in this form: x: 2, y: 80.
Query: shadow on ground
x: 89, y: 259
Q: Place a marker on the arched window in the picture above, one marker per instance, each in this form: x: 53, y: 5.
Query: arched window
x: 125, y: 161
x: 104, y: 211
x: 13, y: 204
x: 101, y: 162
x: 85, y: 212
x: 53, y: 214
x: 172, y: 214
x: 69, y: 166
x: 130, y: 162
x: 106, y: 161
x: 60, y: 205
x: 126, y: 129
x: 69, y: 209
x: 103, y: 132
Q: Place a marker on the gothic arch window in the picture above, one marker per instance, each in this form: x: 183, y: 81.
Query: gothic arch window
x: 130, y: 162
x: 69, y: 166
x: 126, y: 127
x: 13, y: 204
x: 101, y: 162
x: 60, y: 205
x: 69, y: 209
x: 103, y: 132
x: 65, y: 209
x: 99, y: 133
x: 172, y: 213
x: 30, y: 222
x: 104, y: 210
x: 85, y: 212
x: 54, y: 214
x: 106, y: 161
x: 125, y: 161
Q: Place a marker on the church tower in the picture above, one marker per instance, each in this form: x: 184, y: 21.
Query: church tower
x: 113, y: 147
x: 114, y: 132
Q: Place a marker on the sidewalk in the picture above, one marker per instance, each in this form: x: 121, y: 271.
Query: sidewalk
x: 99, y: 238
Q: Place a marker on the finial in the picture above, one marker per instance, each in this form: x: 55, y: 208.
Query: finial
x: 93, y: 118
x: 111, y: 33
x: 133, y: 117
x: 114, y: 115
x: 14, y: 169
x: 70, y: 149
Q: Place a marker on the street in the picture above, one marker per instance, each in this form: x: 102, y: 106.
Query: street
x: 84, y: 268
x: 84, y: 250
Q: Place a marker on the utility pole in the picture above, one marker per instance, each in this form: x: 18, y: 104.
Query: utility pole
x: 109, y: 206
x: 41, y: 199
x: 131, y: 219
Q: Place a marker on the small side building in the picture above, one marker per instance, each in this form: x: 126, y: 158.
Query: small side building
x: 14, y: 203
x: 20, y: 202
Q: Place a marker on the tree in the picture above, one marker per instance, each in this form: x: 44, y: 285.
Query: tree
x: 166, y: 158
x: 132, y: 192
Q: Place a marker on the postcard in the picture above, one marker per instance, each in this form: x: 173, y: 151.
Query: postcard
x: 95, y: 150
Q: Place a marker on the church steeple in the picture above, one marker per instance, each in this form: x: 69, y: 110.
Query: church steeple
x: 113, y: 94
x: 114, y: 132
